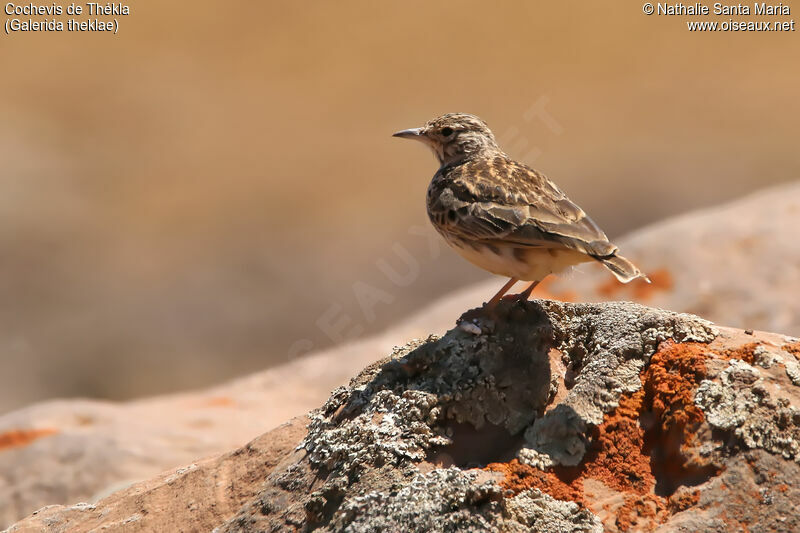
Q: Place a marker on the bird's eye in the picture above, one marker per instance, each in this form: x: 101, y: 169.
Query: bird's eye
x: 447, y: 132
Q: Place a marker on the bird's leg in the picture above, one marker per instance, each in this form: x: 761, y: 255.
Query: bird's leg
x: 496, y: 298
x: 524, y: 295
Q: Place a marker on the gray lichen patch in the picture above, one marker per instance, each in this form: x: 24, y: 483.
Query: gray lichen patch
x: 545, y: 514
x: 558, y: 438
x: 764, y: 357
x: 768, y: 355
x: 389, y: 428
x: 793, y: 372
x: 740, y: 402
x: 441, y: 500
x: 455, y: 501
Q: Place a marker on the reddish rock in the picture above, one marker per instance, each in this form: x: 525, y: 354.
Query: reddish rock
x: 194, y: 497
x: 551, y: 417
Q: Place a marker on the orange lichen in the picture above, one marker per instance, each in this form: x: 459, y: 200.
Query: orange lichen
x: 660, y: 280
x: 684, y: 500
x: 23, y: 437
x: 745, y: 352
x: 626, y: 457
x: 669, y: 382
x: 616, y: 456
x: 793, y: 348
x: 520, y: 477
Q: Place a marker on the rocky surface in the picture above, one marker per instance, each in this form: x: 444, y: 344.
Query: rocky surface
x: 545, y: 415
x: 738, y: 265
x: 81, y: 450
x: 194, y: 497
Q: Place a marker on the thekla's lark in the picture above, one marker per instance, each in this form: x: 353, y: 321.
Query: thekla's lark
x: 504, y: 216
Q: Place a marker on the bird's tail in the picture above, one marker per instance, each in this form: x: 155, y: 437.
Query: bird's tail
x: 624, y: 270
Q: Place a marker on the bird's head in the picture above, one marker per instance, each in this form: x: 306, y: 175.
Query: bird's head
x: 454, y: 137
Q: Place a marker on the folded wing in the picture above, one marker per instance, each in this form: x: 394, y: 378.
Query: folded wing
x: 505, y: 201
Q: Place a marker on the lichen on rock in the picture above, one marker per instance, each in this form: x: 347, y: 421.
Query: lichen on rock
x: 396, y: 449
x: 740, y: 402
x: 607, y: 347
x: 543, y: 513
x: 389, y: 429
x: 545, y: 416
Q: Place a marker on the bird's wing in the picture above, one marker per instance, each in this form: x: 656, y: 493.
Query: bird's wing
x: 501, y: 200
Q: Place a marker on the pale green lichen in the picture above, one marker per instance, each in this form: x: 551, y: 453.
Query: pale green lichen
x: 740, y: 402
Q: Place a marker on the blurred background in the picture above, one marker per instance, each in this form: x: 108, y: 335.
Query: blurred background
x: 215, y: 190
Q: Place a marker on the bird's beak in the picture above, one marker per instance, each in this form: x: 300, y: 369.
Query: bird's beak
x: 413, y: 133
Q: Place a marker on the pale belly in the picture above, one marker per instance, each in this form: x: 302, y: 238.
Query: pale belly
x: 527, y: 264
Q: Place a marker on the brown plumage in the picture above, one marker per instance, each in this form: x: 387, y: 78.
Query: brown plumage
x: 503, y: 215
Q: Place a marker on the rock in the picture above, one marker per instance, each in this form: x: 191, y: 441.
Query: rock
x: 195, y: 497
x: 555, y: 417
x: 79, y: 450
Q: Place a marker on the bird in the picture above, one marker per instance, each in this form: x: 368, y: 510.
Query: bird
x: 502, y: 215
